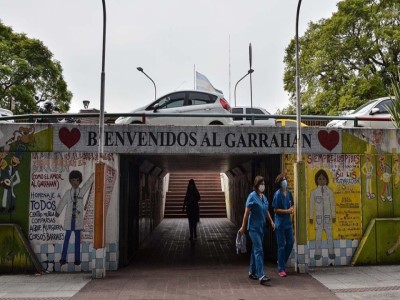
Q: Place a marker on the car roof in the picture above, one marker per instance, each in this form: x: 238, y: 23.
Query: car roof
x: 6, y: 111
x: 197, y: 91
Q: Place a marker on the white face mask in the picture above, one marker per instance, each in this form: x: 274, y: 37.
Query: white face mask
x: 261, y: 188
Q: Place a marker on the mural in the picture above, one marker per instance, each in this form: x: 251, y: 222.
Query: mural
x: 61, y: 207
x: 323, y: 211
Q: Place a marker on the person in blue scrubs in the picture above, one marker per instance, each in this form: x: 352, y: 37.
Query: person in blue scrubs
x: 254, y: 221
x: 283, y: 208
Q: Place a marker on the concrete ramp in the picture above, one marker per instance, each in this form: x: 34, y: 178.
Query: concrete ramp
x: 16, y: 255
x: 380, y: 243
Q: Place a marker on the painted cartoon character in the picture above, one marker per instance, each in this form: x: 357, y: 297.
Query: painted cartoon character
x: 384, y: 176
x: 322, y: 209
x: 367, y: 169
x: 10, y: 178
x: 377, y: 139
x: 396, y: 168
x: 24, y: 135
x: 73, y: 201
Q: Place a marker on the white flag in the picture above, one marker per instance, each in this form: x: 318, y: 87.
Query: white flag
x: 203, y: 84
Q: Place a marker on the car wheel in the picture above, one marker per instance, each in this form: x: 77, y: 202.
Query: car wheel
x: 216, y: 123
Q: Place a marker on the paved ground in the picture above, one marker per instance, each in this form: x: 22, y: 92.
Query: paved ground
x: 170, y: 267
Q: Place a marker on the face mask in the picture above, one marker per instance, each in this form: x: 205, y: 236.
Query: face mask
x: 284, y: 184
x: 261, y: 188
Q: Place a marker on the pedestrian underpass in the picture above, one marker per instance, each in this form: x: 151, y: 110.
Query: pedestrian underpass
x: 147, y: 182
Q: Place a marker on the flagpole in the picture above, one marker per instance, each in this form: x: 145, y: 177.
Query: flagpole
x: 194, y: 76
x: 230, y: 68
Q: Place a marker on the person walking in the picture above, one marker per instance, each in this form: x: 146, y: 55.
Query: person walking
x: 283, y: 208
x: 191, y: 203
x: 254, y: 221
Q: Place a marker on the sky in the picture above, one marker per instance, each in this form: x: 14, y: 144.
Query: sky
x: 169, y: 40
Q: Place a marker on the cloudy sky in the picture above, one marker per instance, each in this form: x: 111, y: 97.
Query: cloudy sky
x: 168, y: 39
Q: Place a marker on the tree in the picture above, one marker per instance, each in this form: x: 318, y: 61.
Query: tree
x: 28, y: 70
x: 347, y: 59
x: 394, y: 110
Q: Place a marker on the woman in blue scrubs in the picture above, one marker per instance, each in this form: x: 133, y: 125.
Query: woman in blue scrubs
x: 283, y: 208
x: 254, y: 221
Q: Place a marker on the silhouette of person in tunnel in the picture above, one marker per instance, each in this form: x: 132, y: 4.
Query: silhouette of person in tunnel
x: 191, y: 203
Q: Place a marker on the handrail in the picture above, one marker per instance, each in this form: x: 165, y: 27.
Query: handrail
x: 32, y: 117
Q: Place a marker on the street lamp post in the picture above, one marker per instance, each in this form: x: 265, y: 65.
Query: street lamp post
x: 298, y: 100
x: 248, y: 73
x: 140, y: 69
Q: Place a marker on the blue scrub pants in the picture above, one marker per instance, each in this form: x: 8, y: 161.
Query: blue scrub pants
x: 77, y: 242
x: 257, y: 254
x: 284, y: 238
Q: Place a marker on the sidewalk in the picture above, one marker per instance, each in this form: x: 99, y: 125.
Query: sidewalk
x: 170, y: 267
x: 362, y: 282
x: 374, y: 282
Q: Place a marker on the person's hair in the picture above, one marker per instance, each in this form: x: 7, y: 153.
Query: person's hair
x: 257, y: 181
x: 281, y: 177
x: 75, y: 174
x: 323, y: 173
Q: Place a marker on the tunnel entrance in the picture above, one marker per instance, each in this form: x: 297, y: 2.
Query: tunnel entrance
x: 144, y: 182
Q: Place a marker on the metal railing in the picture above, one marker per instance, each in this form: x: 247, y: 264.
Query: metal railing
x: 31, y: 118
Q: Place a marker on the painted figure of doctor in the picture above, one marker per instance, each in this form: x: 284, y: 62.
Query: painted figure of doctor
x: 322, y: 210
x: 73, y: 200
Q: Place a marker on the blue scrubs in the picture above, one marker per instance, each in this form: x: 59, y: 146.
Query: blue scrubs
x: 256, y: 228
x: 283, y: 227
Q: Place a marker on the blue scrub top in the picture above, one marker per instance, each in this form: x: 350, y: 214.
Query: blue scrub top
x: 258, y: 213
x: 282, y: 202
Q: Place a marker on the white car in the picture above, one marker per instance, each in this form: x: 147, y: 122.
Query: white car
x: 6, y: 113
x: 191, y: 102
x: 252, y: 111
x: 372, y: 109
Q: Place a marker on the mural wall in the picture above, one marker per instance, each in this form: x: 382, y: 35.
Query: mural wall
x: 46, y: 183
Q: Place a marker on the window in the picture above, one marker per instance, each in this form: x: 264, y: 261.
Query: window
x: 254, y: 111
x: 200, y: 98
x: 382, y: 106
x: 170, y: 101
x: 236, y: 110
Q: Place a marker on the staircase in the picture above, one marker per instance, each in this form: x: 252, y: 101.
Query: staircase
x: 212, y: 199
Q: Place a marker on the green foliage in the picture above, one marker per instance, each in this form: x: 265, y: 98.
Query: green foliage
x: 395, y: 109
x: 27, y: 69
x: 347, y: 59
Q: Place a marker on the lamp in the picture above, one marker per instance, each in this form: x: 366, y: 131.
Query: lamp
x: 248, y: 73
x: 86, y: 104
x: 140, y: 69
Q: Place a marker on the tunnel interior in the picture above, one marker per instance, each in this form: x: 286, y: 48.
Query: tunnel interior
x: 144, y: 180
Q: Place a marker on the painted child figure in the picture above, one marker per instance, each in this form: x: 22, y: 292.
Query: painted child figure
x: 322, y: 204
x: 73, y: 222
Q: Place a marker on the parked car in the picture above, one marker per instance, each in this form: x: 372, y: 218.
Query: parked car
x: 255, y: 111
x: 192, y: 102
x: 288, y: 123
x: 372, y: 109
x: 6, y: 113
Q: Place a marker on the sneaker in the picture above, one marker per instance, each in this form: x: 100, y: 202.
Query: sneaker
x: 282, y: 274
x: 77, y: 262
x: 264, y: 280
x: 252, y: 276
x: 63, y: 262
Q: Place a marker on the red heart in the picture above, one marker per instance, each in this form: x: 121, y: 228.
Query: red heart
x: 69, y: 138
x: 328, y: 140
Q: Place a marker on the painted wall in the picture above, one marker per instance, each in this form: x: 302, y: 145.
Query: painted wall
x: 361, y: 166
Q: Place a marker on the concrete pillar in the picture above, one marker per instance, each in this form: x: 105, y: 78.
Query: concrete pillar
x: 302, y: 252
